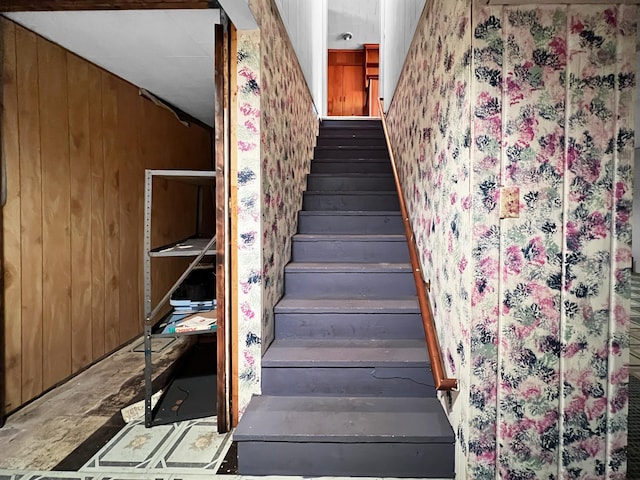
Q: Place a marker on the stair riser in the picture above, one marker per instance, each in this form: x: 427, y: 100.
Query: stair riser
x: 346, y: 224
x: 405, y: 460
x: 350, y: 183
x: 361, y: 152
x: 375, y: 326
x: 351, y: 284
x: 364, y: 142
x: 346, y: 202
x: 360, y: 125
x: 342, y: 166
x: 352, y: 382
x: 351, y: 133
x: 350, y: 251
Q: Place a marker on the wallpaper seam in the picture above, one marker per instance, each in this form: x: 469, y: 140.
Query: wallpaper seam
x: 501, y: 249
x: 473, y: 92
x: 563, y: 265
x: 612, y: 269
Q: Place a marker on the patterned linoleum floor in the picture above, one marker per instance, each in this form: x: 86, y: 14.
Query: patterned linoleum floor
x: 633, y: 449
x: 180, y: 448
x: 634, y: 329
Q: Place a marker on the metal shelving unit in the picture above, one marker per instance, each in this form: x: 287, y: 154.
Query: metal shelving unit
x: 198, y: 248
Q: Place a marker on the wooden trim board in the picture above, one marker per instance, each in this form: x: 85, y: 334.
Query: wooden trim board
x: 223, y: 334
x: 233, y: 209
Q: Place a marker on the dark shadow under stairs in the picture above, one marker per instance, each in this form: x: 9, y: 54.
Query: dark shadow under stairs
x: 347, y: 388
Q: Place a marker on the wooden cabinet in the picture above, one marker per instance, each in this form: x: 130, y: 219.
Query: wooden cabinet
x: 352, y: 84
x: 346, y: 87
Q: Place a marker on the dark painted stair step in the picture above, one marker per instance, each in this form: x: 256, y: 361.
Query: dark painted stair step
x: 340, y: 166
x: 349, y: 248
x: 398, y: 305
x: 353, y: 181
x: 361, y: 200
x: 396, y: 367
x: 349, y: 325
x: 348, y: 318
x: 344, y: 436
x: 372, y: 141
x: 350, y: 151
x: 343, y: 280
x: 363, y: 380
x: 346, y: 353
x: 349, y: 222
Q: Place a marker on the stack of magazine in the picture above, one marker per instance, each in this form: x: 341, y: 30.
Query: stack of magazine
x: 193, y: 302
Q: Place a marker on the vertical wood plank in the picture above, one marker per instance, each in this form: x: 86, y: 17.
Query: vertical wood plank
x: 11, y: 243
x: 80, y: 178
x: 220, y: 75
x: 71, y: 154
x: 110, y: 119
x: 129, y: 246
x: 97, y: 213
x: 56, y: 287
x: 30, y: 211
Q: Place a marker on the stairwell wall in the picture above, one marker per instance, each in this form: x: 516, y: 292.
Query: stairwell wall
x: 532, y: 311
x: 272, y: 91
x: 430, y: 134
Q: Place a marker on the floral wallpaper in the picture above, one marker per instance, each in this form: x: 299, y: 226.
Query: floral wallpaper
x: 430, y: 134
x: 277, y: 128
x: 249, y: 225
x: 288, y: 134
x: 538, y: 304
x: 597, y: 249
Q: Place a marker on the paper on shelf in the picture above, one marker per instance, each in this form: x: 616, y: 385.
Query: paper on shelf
x: 194, y: 323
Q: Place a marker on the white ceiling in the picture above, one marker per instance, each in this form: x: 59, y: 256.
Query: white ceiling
x: 361, y: 18
x: 167, y: 52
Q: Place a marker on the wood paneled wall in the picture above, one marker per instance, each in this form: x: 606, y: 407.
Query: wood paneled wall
x: 75, y: 142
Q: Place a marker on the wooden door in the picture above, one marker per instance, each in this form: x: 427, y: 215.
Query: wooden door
x: 345, y: 83
x: 353, y: 90
x: 334, y: 90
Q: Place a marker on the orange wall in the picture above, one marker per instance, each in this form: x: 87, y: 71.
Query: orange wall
x: 75, y: 142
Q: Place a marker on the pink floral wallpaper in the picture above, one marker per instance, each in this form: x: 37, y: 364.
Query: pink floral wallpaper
x: 288, y: 133
x: 430, y: 134
x: 249, y: 225
x: 277, y: 128
x: 532, y: 310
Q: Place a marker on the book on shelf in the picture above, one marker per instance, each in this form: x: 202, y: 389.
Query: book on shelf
x: 197, y: 322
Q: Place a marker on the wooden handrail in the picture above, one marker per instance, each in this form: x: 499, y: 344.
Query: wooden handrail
x: 435, y: 357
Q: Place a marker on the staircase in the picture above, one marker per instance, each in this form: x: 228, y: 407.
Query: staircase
x: 346, y: 385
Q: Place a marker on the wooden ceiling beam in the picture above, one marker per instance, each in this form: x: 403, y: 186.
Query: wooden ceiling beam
x: 61, y: 5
